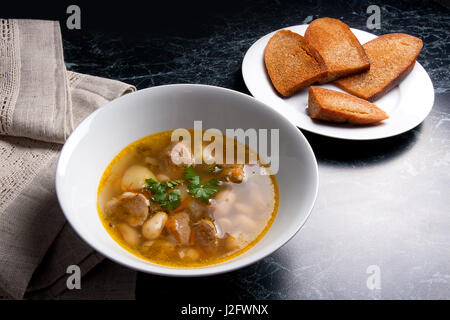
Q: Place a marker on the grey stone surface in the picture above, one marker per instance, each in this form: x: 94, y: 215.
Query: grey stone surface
x: 383, y: 203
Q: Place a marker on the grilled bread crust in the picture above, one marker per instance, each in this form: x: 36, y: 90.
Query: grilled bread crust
x: 334, y: 106
x: 291, y: 63
x: 338, y: 46
x: 392, y: 58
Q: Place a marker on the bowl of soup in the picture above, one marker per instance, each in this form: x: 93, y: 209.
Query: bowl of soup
x: 186, y: 180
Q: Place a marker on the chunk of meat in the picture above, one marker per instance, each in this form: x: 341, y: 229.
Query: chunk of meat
x: 180, y: 154
x: 205, y: 235
x: 223, y: 202
x: 197, y: 209
x: 129, y: 207
x: 233, y: 173
x: 175, y: 158
x: 178, y: 226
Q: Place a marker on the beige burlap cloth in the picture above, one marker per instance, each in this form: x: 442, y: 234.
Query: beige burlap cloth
x: 40, y: 105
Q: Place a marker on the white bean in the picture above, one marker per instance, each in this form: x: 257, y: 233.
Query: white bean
x: 245, y: 223
x: 224, y: 225
x: 148, y: 243
x: 192, y: 254
x: 234, y: 243
x: 243, y: 208
x: 153, y: 227
x: 165, y: 246
x: 224, y: 200
x: 162, y: 177
x: 257, y: 198
x: 135, y: 176
x: 129, y: 234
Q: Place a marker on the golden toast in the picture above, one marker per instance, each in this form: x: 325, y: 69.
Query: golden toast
x: 334, y: 106
x: 338, y: 46
x: 392, y: 57
x: 291, y: 63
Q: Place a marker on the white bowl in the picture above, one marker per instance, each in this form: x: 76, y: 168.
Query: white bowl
x: 102, y: 135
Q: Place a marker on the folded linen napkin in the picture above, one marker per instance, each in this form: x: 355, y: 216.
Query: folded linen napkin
x: 40, y: 104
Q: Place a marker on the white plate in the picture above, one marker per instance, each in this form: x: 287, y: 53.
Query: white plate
x: 407, y: 105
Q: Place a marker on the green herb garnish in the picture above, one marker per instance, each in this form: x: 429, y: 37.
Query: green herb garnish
x: 214, y: 168
x: 173, y: 200
x: 173, y: 183
x: 204, y: 192
x: 169, y: 200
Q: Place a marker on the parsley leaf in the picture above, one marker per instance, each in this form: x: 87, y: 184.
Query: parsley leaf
x: 155, y: 187
x: 204, y: 192
x: 173, y: 183
x: 214, y: 168
x: 195, y: 181
x: 174, y: 199
x: 213, y: 185
x: 190, y: 173
x: 159, y: 194
x: 159, y: 197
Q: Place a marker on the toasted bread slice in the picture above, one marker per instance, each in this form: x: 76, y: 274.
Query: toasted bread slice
x: 338, y: 46
x: 291, y: 63
x: 392, y: 57
x: 334, y: 106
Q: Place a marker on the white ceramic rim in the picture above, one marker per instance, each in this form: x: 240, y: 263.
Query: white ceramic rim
x: 173, y: 271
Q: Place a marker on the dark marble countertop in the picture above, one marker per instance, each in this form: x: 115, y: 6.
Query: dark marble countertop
x: 382, y: 203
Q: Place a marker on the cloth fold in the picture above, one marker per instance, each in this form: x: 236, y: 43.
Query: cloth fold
x: 40, y: 105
